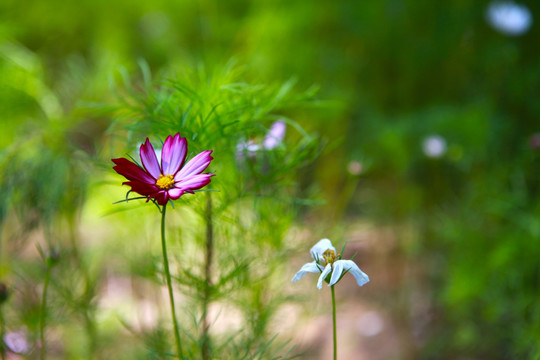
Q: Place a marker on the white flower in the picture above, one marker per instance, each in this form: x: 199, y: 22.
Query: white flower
x: 434, y: 146
x: 327, y: 263
x: 509, y: 18
x: 355, y: 167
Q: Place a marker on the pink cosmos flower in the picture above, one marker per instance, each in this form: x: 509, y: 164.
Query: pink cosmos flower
x: 275, y: 136
x: 170, y: 178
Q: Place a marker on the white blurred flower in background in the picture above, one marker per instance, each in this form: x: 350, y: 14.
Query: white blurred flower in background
x: 248, y: 146
x: 434, y: 146
x: 509, y: 18
x: 355, y: 167
x: 370, y: 324
x: 271, y: 140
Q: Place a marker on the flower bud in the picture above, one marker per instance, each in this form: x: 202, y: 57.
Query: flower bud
x: 53, y: 258
x: 4, y: 293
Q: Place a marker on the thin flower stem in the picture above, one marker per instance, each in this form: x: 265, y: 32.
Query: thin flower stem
x: 43, y: 314
x: 169, y: 286
x: 206, y: 349
x: 334, y: 320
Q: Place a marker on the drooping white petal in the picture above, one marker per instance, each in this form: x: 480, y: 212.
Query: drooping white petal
x: 359, y: 275
x: 307, y: 268
x: 336, y: 274
x: 323, y: 276
x: 319, y: 248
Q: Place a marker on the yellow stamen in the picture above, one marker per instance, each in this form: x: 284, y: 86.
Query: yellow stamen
x: 329, y: 256
x: 165, y: 182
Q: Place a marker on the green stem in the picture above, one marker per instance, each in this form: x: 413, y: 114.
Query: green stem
x: 91, y: 333
x: 334, y: 320
x: 43, y: 313
x: 169, y: 285
x: 206, y: 349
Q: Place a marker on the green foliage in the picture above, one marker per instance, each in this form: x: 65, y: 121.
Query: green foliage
x: 255, y: 192
x: 81, y: 82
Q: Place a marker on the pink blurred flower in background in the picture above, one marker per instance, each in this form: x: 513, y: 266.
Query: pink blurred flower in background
x: 169, y: 178
x: 17, y: 342
x: 275, y: 136
x: 534, y: 141
x: 355, y: 167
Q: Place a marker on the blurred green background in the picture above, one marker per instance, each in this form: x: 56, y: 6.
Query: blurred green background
x: 430, y: 120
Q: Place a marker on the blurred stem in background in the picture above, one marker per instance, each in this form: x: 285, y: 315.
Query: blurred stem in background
x: 91, y: 332
x: 344, y: 198
x: 88, y: 310
x: 43, y: 313
x: 209, y: 247
x: 50, y: 258
x: 169, y: 285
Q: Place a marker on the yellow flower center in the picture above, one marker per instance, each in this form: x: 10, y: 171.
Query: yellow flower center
x: 165, y: 182
x: 329, y: 256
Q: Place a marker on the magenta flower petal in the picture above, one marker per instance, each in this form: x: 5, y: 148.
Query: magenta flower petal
x: 195, y: 166
x: 149, y: 159
x: 194, y: 182
x: 161, y: 197
x: 175, y: 193
x: 173, y: 154
x: 142, y: 188
x: 131, y: 171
